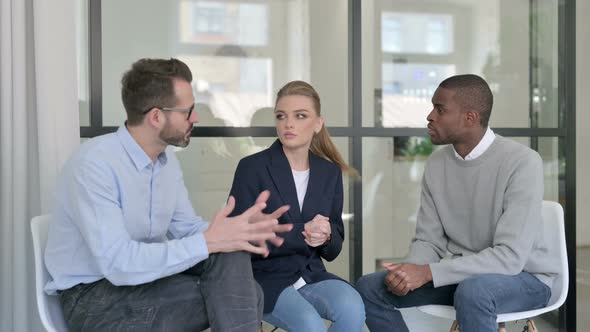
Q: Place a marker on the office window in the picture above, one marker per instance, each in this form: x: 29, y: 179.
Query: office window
x: 221, y: 22
x: 514, y: 47
x: 240, y: 53
x: 411, y: 32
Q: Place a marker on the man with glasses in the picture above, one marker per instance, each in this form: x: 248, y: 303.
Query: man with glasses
x: 125, y: 249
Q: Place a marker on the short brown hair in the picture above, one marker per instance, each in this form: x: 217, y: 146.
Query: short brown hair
x: 149, y: 83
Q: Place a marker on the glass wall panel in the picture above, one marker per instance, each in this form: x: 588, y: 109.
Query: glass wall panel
x: 240, y: 52
x: 583, y: 285
x: 409, y: 47
x: 391, y: 196
x: 209, y: 164
x: 392, y: 175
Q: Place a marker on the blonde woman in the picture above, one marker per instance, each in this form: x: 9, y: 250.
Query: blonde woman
x: 302, y: 169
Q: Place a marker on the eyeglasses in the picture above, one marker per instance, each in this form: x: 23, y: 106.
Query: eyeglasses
x: 183, y: 110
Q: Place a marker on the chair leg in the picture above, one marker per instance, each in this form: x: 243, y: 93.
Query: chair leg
x: 531, y: 327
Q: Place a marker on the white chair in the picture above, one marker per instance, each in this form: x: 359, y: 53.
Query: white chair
x: 49, y: 307
x: 554, y: 230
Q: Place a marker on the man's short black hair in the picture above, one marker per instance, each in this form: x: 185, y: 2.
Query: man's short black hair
x: 473, y: 93
x: 149, y: 83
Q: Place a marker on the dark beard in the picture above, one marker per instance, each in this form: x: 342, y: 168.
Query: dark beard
x: 175, y: 139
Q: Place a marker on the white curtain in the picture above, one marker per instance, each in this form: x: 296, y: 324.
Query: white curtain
x: 39, y: 128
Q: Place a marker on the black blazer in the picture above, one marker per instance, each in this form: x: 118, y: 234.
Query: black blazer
x: 270, y: 170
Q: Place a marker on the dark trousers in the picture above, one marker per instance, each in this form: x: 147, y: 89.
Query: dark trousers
x: 219, y: 292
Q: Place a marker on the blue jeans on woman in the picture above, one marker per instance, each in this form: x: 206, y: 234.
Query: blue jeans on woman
x: 477, y: 300
x: 306, y: 308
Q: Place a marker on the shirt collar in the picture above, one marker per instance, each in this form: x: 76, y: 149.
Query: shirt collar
x: 137, y: 154
x: 485, y: 142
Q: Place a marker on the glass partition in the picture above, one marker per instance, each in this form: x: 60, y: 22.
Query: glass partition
x: 411, y: 46
x: 240, y: 53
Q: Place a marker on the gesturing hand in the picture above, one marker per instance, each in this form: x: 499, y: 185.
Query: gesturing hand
x: 317, y: 231
x: 260, y: 216
x: 403, y: 278
x: 238, y: 233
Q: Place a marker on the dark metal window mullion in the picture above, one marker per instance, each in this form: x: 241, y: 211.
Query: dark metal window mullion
x: 355, y: 78
x: 95, y: 64
x: 567, y: 110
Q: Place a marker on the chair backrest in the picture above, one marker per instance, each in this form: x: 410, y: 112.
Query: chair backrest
x: 554, y: 236
x: 554, y: 232
x: 49, y: 307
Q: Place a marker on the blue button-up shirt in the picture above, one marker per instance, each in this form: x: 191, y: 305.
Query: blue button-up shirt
x: 122, y: 217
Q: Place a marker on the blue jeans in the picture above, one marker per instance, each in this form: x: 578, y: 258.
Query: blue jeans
x: 305, y: 309
x: 477, y: 300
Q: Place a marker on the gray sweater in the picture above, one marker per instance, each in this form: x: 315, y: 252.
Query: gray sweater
x: 486, y: 213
